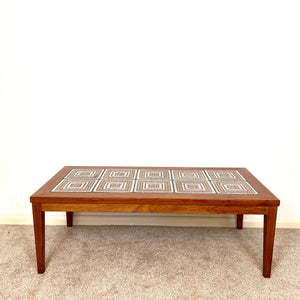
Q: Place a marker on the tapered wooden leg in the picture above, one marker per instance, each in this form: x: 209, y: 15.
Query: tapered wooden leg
x: 69, y: 218
x: 269, y: 234
x: 39, y: 234
x: 239, y: 221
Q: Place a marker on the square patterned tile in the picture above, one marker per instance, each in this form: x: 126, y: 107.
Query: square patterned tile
x: 189, y: 175
x: 120, y: 174
x: 85, y: 173
x: 199, y: 187
x: 115, y: 186
x: 233, y: 187
x: 154, y: 174
x: 151, y: 186
x: 75, y: 185
x: 224, y: 175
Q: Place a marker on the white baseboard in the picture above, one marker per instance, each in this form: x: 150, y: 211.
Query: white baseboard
x: 250, y: 221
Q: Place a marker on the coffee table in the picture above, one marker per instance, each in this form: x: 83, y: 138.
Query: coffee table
x: 155, y: 190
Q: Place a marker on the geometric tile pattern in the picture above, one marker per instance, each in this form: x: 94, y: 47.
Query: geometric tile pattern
x: 85, y: 173
x: 188, y: 175
x: 203, y: 187
x: 154, y: 174
x: 75, y: 185
x: 155, y: 181
x: 120, y: 186
x: 224, y: 175
x: 152, y: 186
x: 233, y: 187
x: 120, y: 174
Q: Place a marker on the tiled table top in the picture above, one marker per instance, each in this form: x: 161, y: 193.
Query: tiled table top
x: 135, y: 180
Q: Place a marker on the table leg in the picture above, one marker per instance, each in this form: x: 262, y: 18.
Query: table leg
x: 269, y: 234
x: 39, y: 234
x: 239, y: 221
x: 69, y: 218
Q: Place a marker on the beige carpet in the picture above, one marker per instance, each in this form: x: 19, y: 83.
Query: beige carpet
x: 136, y: 262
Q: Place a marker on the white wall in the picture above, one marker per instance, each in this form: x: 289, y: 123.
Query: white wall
x: 153, y: 83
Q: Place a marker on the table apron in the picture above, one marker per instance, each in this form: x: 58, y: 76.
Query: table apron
x: 156, y: 208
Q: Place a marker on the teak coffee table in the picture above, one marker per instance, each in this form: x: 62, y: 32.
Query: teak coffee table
x: 155, y: 190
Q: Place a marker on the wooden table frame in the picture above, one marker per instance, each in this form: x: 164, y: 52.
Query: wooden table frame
x: 263, y: 203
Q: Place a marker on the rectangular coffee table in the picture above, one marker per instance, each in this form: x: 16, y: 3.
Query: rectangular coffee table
x: 155, y: 190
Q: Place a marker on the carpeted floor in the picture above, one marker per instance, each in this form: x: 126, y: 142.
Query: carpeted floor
x: 143, y: 262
